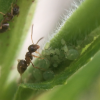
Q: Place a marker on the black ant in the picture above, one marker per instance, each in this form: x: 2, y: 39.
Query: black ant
x: 8, y: 17
x: 23, y: 64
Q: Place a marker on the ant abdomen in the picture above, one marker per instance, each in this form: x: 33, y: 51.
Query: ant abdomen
x: 28, y: 57
x: 32, y: 48
x: 4, y: 27
x: 22, y: 66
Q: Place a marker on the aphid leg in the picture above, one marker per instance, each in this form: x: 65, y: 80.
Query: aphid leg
x: 37, y: 57
x: 2, y: 13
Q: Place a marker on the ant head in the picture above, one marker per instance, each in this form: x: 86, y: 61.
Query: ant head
x: 32, y: 48
x: 15, y: 10
x: 22, y: 66
x: 29, y: 55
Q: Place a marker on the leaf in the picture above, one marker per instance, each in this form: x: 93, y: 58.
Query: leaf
x: 78, y: 27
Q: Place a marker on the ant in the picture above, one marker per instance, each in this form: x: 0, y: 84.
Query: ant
x: 23, y: 64
x: 8, y: 17
x: 14, y: 11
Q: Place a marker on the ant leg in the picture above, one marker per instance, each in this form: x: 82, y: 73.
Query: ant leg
x: 2, y: 13
x: 9, y: 29
x: 21, y: 77
x: 12, y: 9
x: 37, y: 57
x: 0, y: 27
x: 37, y: 53
x: 36, y: 67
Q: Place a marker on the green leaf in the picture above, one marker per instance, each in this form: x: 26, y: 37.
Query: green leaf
x: 78, y: 27
x: 78, y: 83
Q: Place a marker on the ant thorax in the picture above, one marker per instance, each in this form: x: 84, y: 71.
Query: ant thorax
x: 32, y: 48
x: 28, y: 58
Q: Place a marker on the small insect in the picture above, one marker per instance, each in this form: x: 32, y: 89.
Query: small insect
x: 14, y: 11
x: 23, y: 64
x: 8, y: 17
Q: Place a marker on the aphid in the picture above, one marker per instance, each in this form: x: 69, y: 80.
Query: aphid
x: 23, y: 64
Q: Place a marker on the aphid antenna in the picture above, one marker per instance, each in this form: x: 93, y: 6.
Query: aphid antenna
x: 32, y: 33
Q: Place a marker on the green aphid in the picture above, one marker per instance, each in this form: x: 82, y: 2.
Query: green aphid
x: 37, y: 74
x: 52, y: 51
x: 55, y: 58
x: 57, y: 51
x: 65, y: 48
x: 47, y: 57
x: 63, y: 42
x: 47, y: 45
x: 47, y: 52
x: 72, y: 54
x: 70, y: 47
x: 78, y: 47
x: 43, y: 52
x: 79, y: 42
x: 43, y: 64
x: 62, y: 54
x: 48, y: 75
x: 55, y: 65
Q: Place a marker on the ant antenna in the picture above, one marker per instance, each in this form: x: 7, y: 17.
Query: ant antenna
x: 39, y: 40
x: 32, y: 33
x: 2, y: 13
